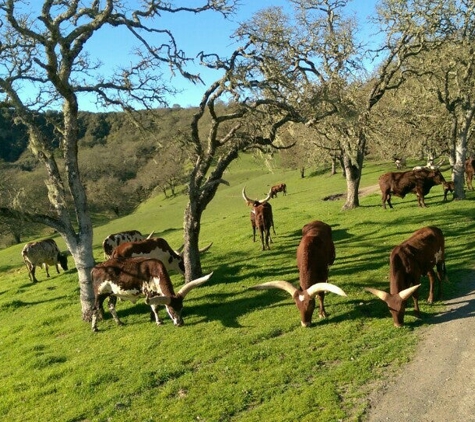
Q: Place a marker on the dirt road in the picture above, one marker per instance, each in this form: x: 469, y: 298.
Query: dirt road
x: 439, y: 384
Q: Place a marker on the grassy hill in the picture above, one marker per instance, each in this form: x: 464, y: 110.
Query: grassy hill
x: 242, y: 355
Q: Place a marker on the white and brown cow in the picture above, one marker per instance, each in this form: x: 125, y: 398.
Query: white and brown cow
x: 114, y: 240
x: 315, y: 253
x: 43, y: 253
x: 415, y: 257
x: 132, y: 278
x: 155, y: 247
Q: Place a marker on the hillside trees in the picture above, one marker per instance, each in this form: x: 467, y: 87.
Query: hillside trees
x: 45, y: 63
x: 321, y: 52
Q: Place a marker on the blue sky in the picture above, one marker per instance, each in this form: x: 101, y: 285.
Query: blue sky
x: 207, y: 32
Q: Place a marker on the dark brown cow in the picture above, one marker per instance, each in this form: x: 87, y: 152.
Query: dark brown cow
x: 114, y: 240
x: 469, y: 169
x: 401, y: 183
x: 262, y: 218
x: 132, y: 278
x: 157, y: 248
x: 282, y: 187
x: 43, y: 253
x: 412, y: 259
x: 315, y: 254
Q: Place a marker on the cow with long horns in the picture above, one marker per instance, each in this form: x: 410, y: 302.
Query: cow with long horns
x: 408, y: 261
x: 113, y: 240
x: 155, y: 247
x: 262, y: 218
x: 315, y: 254
x: 132, y: 278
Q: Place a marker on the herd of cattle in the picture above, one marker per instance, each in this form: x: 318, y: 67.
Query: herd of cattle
x: 136, y: 265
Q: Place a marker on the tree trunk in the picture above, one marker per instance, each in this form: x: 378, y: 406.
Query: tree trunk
x: 353, y: 177
x: 353, y: 165
x: 81, y: 252
x: 191, y: 253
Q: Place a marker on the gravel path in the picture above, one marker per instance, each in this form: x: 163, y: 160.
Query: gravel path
x: 438, y: 385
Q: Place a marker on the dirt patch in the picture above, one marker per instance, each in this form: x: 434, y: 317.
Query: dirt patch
x: 362, y: 192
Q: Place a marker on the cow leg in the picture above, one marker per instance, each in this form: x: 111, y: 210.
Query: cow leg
x: 112, y: 302
x: 420, y: 199
x: 415, y: 298
x: 32, y: 274
x: 155, y: 314
x: 321, y: 305
x: 254, y: 233
x: 57, y: 267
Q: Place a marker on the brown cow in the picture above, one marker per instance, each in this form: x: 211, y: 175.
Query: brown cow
x: 412, y: 259
x: 401, y: 183
x: 282, y: 187
x: 114, y: 240
x: 262, y: 218
x: 132, y: 278
x: 469, y: 169
x: 157, y: 248
x: 315, y: 253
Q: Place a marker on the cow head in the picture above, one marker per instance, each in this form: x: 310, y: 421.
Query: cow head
x: 254, y: 202
x: 305, y: 300
x: 63, y: 261
x: 174, y: 303
x: 396, y: 302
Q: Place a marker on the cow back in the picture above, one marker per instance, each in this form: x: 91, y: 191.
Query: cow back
x: 415, y: 257
x: 114, y: 240
x: 156, y: 247
x: 315, y: 253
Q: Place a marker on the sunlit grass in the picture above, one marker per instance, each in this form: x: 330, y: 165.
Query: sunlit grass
x: 242, y: 355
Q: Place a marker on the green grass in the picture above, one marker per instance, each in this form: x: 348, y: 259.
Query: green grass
x: 242, y: 355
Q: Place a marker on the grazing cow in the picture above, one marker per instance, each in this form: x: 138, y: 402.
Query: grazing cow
x: 448, y: 187
x: 315, y: 253
x: 43, y: 253
x: 401, y: 183
x: 157, y: 248
x: 132, y: 278
x: 282, y: 187
x: 114, y: 240
x: 412, y: 259
x: 261, y: 218
x: 469, y: 169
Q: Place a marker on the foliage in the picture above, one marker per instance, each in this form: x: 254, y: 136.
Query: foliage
x: 242, y: 355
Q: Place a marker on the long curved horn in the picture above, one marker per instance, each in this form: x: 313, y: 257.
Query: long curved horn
x: 266, y: 198
x: 157, y: 300
x: 192, y: 284
x: 407, y: 293
x: 281, y: 284
x: 324, y: 287
x: 245, y: 197
x: 379, y: 293
x: 150, y: 235
x: 205, y: 248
